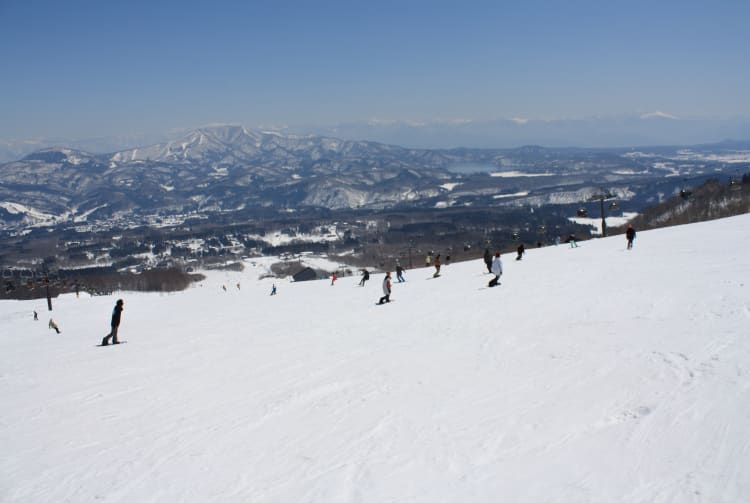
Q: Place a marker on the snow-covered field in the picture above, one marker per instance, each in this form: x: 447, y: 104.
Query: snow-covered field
x: 593, y: 374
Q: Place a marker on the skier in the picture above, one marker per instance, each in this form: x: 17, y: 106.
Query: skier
x: 488, y: 260
x: 333, y: 279
x: 52, y: 325
x: 273, y: 289
x: 400, y: 273
x: 521, y: 250
x: 436, y: 262
x: 115, y: 324
x: 386, y: 289
x: 365, y: 277
x: 630, y: 234
x: 36, y: 316
x: 497, y: 270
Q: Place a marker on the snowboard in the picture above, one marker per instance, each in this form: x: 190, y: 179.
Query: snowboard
x: 111, y: 344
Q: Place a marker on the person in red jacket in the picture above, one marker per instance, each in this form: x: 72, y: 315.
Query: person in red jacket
x: 436, y: 263
x: 630, y: 235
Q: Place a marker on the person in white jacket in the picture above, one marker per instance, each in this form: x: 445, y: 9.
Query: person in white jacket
x: 386, y: 289
x: 497, y: 269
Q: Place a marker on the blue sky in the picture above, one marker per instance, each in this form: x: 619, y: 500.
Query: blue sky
x: 89, y: 68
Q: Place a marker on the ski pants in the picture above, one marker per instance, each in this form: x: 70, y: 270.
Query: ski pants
x: 112, y: 335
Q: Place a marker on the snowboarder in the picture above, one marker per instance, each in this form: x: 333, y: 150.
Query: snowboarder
x: 365, y: 277
x: 333, y: 279
x: 488, y: 260
x: 400, y: 273
x: 630, y: 235
x: 386, y: 289
x: 497, y: 270
x: 115, y: 324
x: 573, y: 242
x: 52, y: 325
x: 224, y: 287
x: 36, y: 316
x: 436, y: 262
x: 273, y: 289
x: 521, y: 250
x: 238, y: 286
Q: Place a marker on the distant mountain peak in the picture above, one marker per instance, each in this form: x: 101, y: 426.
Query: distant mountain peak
x: 658, y: 115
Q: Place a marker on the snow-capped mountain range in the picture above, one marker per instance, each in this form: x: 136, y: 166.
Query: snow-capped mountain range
x: 231, y: 168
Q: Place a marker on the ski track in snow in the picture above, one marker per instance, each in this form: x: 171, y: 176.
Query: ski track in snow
x: 590, y: 375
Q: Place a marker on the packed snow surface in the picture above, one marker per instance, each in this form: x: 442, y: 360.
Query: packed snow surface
x: 592, y: 374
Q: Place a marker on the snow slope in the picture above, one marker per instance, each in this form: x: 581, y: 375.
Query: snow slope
x: 593, y: 374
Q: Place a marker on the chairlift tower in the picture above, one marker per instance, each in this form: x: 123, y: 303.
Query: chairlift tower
x: 605, y: 196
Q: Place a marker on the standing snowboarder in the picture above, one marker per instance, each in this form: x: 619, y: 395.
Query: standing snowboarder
x: 400, y: 273
x: 436, y: 262
x: 630, y: 235
x: 386, y: 289
x: 273, y: 289
x: 115, y: 324
x: 497, y: 270
x: 521, y: 250
x: 36, y: 316
x: 488, y: 260
x: 333, y: 279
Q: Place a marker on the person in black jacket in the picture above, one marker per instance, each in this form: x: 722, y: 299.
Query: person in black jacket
x: 365, y: 277
x: 488, y: 260
x: 400, y: 273
x: 630, y: 234
x: 116, y: 312
x: 521, y: 250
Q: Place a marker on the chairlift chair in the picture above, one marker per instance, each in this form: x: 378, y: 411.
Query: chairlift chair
x: 582, y: 212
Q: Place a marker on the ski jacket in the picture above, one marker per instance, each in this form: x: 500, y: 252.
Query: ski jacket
x: 116, y: 314
x: 630, y: 234
x: 387, y: 285
x: 497, y: 266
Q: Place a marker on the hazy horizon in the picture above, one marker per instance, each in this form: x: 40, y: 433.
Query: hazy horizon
x: 80, y: 70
